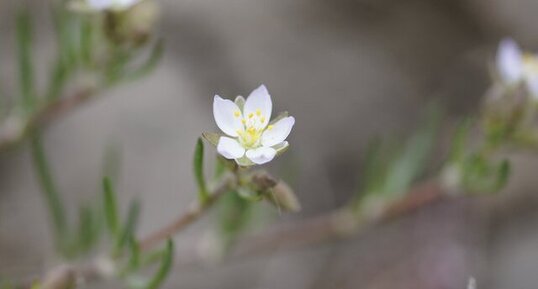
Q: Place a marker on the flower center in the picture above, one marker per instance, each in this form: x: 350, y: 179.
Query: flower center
x: 253, y: 128
x: 530, y: 63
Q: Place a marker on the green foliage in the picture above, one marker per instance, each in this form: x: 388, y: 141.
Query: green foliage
x: 110, y: 205
x: 481, y: 175
x: 129, y: 227
x: 411, y: 161
x: 473, y: 169
x: 50, y: 192
x: 89, y: 229
x: 25, y: 62
x: 198, y: 165
x: 391, y: 168
x: 233, y: 217
x: 164, y: 268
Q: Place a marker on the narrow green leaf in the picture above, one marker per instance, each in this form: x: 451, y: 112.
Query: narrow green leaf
x: 25, y: 62
x: 134, y: 259
x: 48, y: 186
x: 198, y: 165
x: 66, y: 27
x: 413, y: 158
x: 164, y: 269
x: 129, y: 228
x: 459, y: 142
x: 86, y: 41
x: 110, y: 206
x: 116, y: 66
x: 88, y: 229
x: 58, y: 78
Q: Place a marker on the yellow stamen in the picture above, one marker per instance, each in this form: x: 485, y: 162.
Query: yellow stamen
x: 250, y: 115
x: 237, y: 113
x: 258, y: 112
x: 270, y: 127
x: 262, y: 119
x: 243, y: 121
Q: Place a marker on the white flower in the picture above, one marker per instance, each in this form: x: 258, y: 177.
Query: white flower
x: 515, y: 66
x: 250, y: 137
x: 111, y: 4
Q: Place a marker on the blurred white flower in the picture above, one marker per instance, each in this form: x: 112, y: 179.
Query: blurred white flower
x: 111, y: 4
x: 515, y: 66
x: 472, y: 283
x: 247, y: 125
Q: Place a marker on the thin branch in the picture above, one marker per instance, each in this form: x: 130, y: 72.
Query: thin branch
x: 195, y: 211
x: 14, y: 130
x: 338, y: 224
x: 335, y: 225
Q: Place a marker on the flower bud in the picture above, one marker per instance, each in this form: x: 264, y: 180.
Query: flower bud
x: 133, y: 26
x: 283, y: 197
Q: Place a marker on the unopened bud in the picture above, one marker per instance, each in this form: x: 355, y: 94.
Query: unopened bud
x: 263, y: 181
x: 133, y: 26
x: 283, y: 197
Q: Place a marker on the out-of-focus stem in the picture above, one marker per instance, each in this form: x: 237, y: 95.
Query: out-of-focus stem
x: 337, y: 224
x: 14, y: 130
x: 195, y: 211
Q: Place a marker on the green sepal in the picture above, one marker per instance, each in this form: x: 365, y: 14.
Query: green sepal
x: 212, y: 138
x: 281, y: 147
x: 249, y: 195
x: 282, y: 115
x: 244, y: 162
x: 240, y: 102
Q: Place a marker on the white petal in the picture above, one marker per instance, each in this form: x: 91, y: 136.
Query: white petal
x: 99, y: 4
x: 230, y: 148
x: 110, y: 4
x: 261, y: 155
x: 279, y: 132
x: 509, y: 61
x: 532, y: 85
x: 127, y: 3
x: 259, y: 99
x: 223, y: 111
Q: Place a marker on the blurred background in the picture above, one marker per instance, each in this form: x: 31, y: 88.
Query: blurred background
x: 348, y: 70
